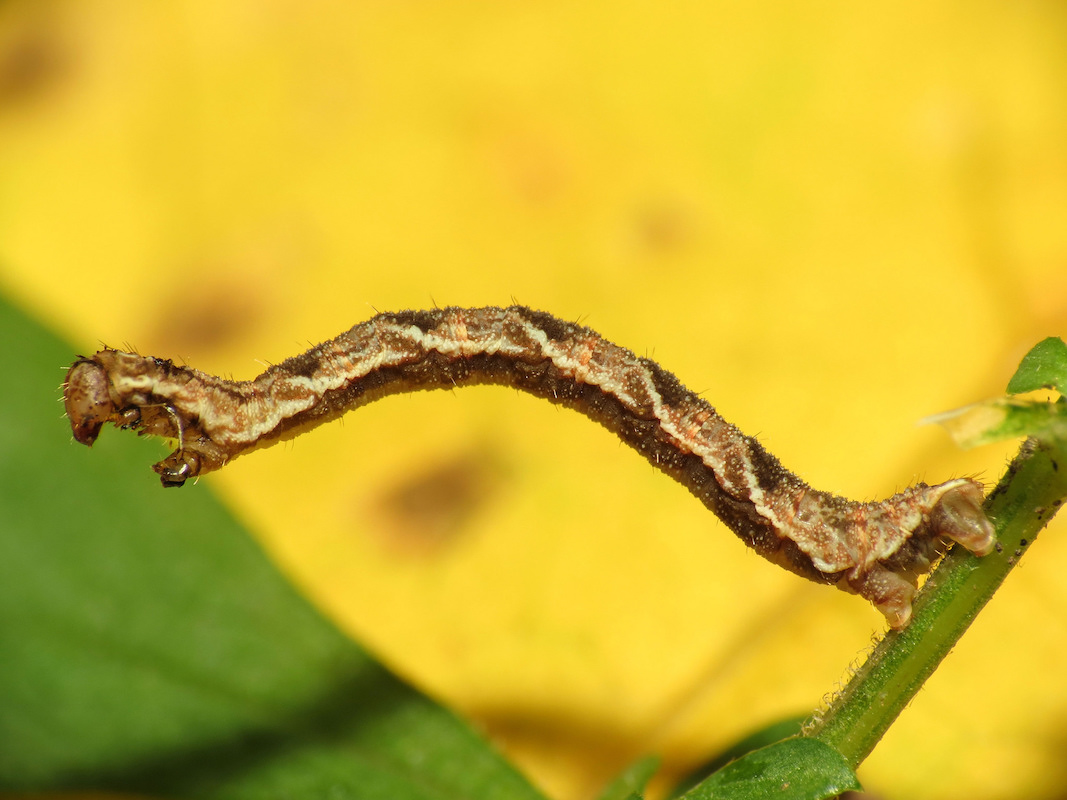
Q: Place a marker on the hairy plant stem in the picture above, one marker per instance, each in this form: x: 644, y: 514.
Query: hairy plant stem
x: 1024, y: 501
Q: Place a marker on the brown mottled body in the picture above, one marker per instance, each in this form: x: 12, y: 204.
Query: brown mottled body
x: 877, y: 550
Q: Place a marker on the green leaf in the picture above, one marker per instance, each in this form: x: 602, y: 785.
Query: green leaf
x: 630, y: 785
x: 1004, y: 418
x: 150, y: 647
x: 1044, y: 367
x: 793, y: 769
x: 769, y: 734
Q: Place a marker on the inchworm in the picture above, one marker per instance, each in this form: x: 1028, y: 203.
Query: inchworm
x: 877, y: 549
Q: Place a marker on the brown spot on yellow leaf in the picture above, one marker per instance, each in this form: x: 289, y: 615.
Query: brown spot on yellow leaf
x: 427, y: 508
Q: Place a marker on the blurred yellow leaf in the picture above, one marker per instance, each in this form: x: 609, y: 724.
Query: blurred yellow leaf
x: 834, y: 219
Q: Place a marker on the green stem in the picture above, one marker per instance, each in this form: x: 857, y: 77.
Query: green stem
x: 1024, y: 501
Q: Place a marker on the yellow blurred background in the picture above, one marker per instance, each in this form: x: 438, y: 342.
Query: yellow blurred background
x: 832, y: 219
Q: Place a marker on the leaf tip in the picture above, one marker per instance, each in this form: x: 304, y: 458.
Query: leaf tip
x: 1044, y: 367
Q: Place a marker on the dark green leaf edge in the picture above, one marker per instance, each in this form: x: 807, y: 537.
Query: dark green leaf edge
x: 150, y: 647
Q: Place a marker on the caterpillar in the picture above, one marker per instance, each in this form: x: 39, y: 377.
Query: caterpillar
x: 875, y: 549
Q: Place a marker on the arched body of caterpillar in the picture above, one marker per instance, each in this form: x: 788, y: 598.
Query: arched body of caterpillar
x: 875, y: 549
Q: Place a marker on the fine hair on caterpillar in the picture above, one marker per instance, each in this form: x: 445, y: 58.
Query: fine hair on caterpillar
x: 875, y: 549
